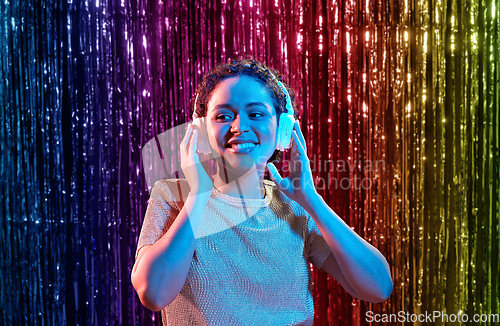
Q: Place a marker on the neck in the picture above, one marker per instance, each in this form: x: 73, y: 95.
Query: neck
x: 250, y: 185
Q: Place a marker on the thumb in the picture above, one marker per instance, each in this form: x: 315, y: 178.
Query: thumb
x: 194, y: 146
x: 275, y: 175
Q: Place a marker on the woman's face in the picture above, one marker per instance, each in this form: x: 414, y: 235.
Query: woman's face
x: 241, y: 123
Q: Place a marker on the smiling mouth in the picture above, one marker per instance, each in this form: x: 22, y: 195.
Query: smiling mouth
x: 241, y: 148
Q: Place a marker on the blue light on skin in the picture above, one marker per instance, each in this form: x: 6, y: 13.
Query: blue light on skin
x: 240, y: 110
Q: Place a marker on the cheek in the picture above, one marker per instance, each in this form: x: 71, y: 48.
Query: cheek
x: 215, y: 134
x: 271, y: 135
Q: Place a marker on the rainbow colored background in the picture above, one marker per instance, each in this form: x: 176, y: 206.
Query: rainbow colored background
x: 412, y: 85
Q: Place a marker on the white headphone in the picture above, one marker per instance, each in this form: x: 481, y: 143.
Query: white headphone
x: 285, y: 125
x: 201, y: 123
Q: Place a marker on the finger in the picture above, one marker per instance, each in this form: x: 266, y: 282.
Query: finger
x: 194, y: 140
x: 189, y: 130
x: 293, y: 150
x: 299, y: 133
x: 194, y: 145
x: 300, y: 147
x: 188, y: 141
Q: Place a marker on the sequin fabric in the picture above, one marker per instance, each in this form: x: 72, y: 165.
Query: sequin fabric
x: 255, y: 272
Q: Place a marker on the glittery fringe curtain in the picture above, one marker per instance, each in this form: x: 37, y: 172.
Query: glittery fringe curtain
x: 399, y: 102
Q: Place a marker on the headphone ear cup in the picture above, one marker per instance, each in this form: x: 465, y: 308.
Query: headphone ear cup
x: 203, y: 143
x: 285, y: 131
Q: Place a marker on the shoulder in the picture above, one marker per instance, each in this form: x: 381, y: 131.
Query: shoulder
x: 170, y: 190
x: 170, y: 183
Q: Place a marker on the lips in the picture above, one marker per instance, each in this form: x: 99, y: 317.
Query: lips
x: 240, y: 146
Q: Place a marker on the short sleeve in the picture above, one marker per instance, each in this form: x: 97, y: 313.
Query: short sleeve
x: 316, y: 246
x: 164, y: 204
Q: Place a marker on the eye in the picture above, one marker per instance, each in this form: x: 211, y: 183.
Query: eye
x: 256, y: 115
x: 223, y: 117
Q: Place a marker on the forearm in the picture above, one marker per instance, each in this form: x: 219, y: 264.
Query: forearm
x: 160, y: 272
x: 362, y: 265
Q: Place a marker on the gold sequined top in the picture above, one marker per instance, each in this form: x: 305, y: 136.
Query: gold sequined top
x: 250, y: 269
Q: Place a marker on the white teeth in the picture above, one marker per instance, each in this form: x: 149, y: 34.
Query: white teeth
x: 241, y: 146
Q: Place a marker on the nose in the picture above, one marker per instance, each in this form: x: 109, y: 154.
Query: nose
x: 240, y: 125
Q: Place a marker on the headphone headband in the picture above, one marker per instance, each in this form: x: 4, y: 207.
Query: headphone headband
x: 195, y: 115
x: 288, y: 107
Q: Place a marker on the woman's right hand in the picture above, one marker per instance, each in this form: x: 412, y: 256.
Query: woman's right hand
x: 198, y: 179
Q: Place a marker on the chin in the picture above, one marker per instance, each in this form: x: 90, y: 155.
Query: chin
x: 241, y: 165
x: 238, y: 165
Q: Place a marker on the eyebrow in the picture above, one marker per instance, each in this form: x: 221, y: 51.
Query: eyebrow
x: 228, y: 106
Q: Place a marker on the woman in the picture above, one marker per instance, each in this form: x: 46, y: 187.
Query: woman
x: 236, y: 249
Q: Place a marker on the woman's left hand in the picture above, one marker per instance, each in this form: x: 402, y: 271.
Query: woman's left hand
x: 299, y: 184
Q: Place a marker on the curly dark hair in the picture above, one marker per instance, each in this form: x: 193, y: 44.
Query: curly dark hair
x: 249, y: 67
